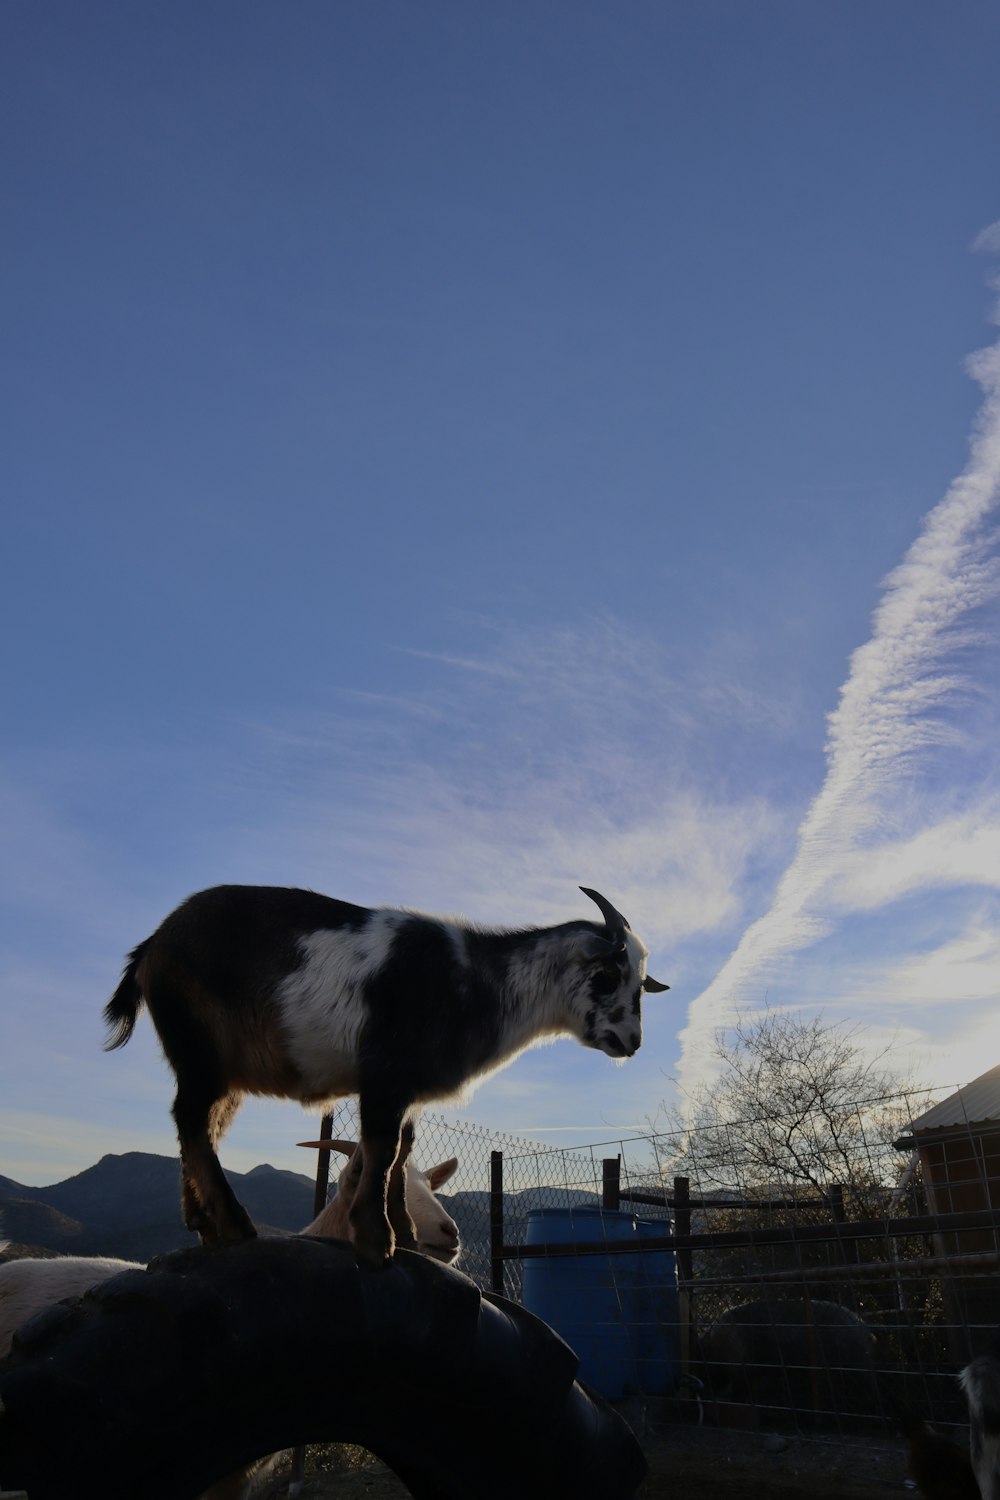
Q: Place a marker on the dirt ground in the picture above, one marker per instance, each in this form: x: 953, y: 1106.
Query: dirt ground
x: 685, y: 1463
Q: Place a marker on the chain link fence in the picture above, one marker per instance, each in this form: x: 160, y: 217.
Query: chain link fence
x: 845, y: 1301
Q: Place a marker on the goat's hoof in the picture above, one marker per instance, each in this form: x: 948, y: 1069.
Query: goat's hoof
x: 376, y: 1252
x: 235, y: 1234
x: 379, y: 1259
x: 403, y: 1231
x: 206, y: 1230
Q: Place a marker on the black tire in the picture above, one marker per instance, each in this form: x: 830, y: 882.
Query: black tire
x: 160, y: 1382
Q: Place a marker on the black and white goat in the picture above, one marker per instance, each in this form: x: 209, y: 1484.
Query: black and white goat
x: 980, y: 1380
x: 275, y: 991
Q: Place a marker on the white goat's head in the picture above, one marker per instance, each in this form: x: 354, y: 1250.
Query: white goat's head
x: 437, y: 1232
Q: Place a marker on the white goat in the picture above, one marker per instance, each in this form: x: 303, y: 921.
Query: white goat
x: 436, y: 1231
x: 28, y: 1287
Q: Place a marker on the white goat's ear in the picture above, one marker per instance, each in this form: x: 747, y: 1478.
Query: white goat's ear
x: 439, y: 1174
x: 653, y: 986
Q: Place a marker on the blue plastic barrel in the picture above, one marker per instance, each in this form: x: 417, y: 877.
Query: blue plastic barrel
x: 618, y: 1312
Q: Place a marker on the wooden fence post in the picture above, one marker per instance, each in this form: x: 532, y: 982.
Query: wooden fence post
x: 496, y: 1221
x: 682, y: 1225
x: 611, y: 1182
x: 848, y: 1248
x: 323, y: 1165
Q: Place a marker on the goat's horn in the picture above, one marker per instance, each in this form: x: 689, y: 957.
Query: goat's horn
x: 347, y: 1147
x: 614, y: 920
x: 653, y: 986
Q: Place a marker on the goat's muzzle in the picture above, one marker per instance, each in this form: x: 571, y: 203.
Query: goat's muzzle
x: 614, y: 1046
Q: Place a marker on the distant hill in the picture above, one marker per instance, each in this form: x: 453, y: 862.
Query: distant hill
x: 32, y: 1223
x: 119, y: 1192
x: 129, y: 1206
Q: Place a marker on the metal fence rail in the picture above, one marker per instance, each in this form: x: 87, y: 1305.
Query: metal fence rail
x: 913, y: 1259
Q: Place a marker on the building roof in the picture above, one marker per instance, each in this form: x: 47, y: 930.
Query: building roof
x: 976, y: 1103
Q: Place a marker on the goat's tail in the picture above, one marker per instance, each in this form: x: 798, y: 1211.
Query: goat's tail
x: 122, y: 1010
x: 980, y: 1381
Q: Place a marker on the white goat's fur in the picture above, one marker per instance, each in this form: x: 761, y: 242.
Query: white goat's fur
x: 323, y: 1041
x: 28, y: 1287
x: 980, y: 1380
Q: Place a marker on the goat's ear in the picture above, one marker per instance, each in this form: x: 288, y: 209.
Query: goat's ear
x: 653, y: 986
x: 440, y: 1174
x: 594, y: 946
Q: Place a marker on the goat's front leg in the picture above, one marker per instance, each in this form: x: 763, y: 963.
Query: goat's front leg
x: 395, y: 1199
x: 381, y: 1126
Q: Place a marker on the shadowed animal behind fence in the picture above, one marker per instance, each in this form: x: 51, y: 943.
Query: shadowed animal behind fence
x: 796, y: 1355
x: 802, y: 1357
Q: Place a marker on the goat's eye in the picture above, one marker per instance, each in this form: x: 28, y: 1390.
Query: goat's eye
x: 605, y: 978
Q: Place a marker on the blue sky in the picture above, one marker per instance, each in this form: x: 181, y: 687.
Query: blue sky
x: 457, y: 453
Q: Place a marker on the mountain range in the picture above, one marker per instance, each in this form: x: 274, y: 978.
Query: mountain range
x: 129, y: 1206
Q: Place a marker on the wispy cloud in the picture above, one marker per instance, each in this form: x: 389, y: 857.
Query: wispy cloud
x: 571, y: 758
x: 987, y: 241
x: 963, y: 969
x: 892, y: 711
x: 960, y: 851
x: 467, y: 663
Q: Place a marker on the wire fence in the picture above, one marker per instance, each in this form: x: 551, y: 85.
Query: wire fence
x: 836, y: 1285
x: 467, y: 1195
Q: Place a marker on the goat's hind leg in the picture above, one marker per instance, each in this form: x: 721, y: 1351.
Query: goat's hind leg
x: 204, y: 1104
x: 210, y: 1206
x: 205, y: 1101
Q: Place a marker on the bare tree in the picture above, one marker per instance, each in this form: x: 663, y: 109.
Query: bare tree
x: 798, y: 1129
x: 799, y: 1105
